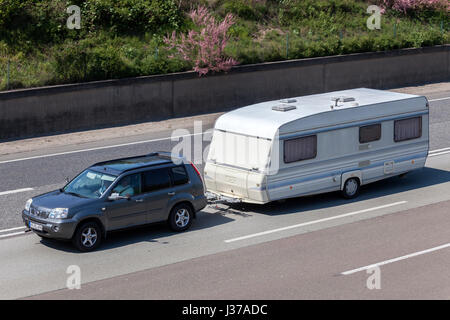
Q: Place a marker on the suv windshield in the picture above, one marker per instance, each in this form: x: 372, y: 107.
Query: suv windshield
x: 89, y: 184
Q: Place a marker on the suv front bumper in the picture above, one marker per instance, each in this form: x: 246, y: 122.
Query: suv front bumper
x: 56, y: 229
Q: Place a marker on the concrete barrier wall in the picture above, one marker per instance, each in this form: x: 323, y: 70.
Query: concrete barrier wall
x: 91, y: 105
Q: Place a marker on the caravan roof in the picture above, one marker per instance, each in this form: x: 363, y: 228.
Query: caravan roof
x: 266, y: 119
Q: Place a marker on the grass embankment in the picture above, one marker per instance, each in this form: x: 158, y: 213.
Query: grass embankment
x: 125, y: 38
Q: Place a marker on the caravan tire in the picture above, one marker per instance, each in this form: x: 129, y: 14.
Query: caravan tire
x: 351, y: 188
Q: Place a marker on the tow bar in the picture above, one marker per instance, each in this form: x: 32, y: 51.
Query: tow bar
x: 214, y: 198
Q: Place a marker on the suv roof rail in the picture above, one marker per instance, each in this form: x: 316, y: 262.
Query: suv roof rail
x: 163, y: 155
x: 118, y: 159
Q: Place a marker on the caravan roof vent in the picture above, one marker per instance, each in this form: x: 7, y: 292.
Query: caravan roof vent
x: 284, y: 107
x: 343, y: 99
x: 288, y: 101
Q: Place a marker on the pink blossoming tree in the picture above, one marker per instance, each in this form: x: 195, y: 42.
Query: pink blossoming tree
x: 410, y: 5
x: 204, y: 46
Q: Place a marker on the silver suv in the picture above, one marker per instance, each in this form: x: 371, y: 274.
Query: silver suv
x: 118, y: 194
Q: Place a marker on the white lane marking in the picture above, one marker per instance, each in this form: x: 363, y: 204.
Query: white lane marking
x: 98, y: 148
x: 11, y: 234
x: 315, y: 221
x: 446, y: 98
x: 396, y: 259
x: 4, y: 193
x: 438, y: 154
x: 439, y: 150
x: 12, y: 229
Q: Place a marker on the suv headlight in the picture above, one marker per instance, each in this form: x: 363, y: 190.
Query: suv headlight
x: 28, y: 204
x: 59, y: 213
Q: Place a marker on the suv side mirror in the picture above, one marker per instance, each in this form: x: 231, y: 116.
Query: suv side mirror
x: 116, y: 196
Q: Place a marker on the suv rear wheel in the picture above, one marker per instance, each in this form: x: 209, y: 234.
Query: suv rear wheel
x: 87, y: 237
x: 180, y: 218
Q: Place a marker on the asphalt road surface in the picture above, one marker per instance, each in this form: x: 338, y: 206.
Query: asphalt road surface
x: 312, y: 247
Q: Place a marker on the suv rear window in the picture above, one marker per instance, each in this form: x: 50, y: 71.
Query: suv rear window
x: 156, y: 179
x: 179, y: 175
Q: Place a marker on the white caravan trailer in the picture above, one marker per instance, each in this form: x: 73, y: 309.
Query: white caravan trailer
x: 315, y: 144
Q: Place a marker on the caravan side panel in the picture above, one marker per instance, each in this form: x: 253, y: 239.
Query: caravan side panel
x: 340, y: 150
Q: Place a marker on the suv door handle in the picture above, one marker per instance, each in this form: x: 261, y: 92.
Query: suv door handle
x: 171, y: 193
x: 139, y: 200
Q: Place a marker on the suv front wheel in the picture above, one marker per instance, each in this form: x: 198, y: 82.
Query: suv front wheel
x: 87, y: 237
x: 180, y: 218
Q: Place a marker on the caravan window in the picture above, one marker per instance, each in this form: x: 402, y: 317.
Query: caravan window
x: 300, y: 149
x: 407, y: 129
x: 370, y: 133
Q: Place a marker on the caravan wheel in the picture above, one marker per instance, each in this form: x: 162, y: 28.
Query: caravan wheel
x: 351, y: 188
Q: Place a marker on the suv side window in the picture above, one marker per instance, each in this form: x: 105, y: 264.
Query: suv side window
x: 179, y: 175
x: 155, y: 179
x: 129, y: 185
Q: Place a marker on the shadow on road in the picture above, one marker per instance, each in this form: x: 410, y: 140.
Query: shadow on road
x: 150, y: 233
x: 414, y: 180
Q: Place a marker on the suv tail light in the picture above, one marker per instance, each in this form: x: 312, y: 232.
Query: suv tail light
x: 198, y: 172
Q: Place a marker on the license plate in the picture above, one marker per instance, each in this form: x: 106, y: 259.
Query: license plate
x: 36, y: 226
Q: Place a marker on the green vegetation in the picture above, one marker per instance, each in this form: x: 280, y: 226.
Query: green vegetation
x: 126, y: 38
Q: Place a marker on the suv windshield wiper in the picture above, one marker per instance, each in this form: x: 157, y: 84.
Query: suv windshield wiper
x: 74, y: 194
